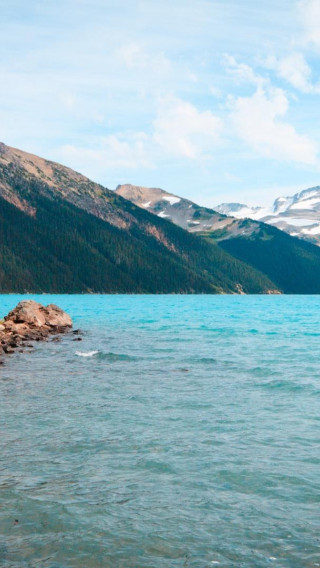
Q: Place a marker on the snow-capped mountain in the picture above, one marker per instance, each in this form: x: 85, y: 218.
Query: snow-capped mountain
x: 285, y: 259
x: 298, y: 215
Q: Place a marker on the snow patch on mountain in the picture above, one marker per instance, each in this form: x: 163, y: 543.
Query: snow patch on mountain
x: 163, y: 215
x: 298, y: 214
x: 172, y: 199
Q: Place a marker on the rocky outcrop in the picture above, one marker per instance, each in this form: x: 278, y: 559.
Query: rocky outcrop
x: 31, y: 321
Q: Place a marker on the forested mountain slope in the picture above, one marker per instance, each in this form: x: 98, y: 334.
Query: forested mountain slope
x: 292, y: 264
x: 60, y: 232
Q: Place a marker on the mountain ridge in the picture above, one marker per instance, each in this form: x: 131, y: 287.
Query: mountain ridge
x: 183, y: 212
x: 298, y: 214
x: 61, y: 232
x: 291, y: 263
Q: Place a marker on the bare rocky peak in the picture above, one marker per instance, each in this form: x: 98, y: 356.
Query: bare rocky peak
x: 169, y: 206
x: 146, y: 197
x: 183, y: 212
x: 53, y: 179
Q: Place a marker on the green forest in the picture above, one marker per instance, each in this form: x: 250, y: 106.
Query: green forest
x: 62, y: 248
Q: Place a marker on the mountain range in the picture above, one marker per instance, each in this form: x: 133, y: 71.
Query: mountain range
x: 61, y: 232
x: 298, y: 215
x: 289, y: 262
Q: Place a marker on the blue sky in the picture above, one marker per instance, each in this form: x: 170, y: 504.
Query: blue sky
x: 215, y: 100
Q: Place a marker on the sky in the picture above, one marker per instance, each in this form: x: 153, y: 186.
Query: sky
x: 213, y: 100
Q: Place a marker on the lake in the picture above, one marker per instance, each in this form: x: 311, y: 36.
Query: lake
x: 182, y: 431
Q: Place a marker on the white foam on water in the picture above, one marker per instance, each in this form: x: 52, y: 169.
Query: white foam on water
x: 86, y: 354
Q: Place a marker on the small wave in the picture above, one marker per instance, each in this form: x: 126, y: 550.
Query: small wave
x: 206, y: 360
x: 287, y: 385
x: 203, y: 360
x: 156, y: 466
x: 86, y: 353
x: 262, y: 372
x: 113, y: 357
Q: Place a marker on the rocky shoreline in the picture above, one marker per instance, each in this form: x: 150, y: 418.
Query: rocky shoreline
x: 30, y: 321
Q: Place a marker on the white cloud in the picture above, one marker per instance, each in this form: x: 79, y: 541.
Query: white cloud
x: 310, y: 17
x: 241, y: 71
x: 295, y: 70
x: 183, y: 130
x: 258, y: 121
x: 136, y: 57
x: 215, y: 92
x: 114, y: 151
x: 179, y: 129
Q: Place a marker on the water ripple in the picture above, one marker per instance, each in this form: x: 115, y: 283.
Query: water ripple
x: 183, y: 433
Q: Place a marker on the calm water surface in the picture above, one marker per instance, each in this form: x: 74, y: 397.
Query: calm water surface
x: 183, y: 431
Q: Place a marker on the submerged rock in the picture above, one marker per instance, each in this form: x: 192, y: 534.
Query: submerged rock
x: 30, y: 321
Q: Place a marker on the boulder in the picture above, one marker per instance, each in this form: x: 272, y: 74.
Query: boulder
x: 30, y: 320
x: 35, y: 315
x: 56, y: 317
x: 29, y: 312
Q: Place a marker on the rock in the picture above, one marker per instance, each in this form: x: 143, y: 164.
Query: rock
x: 36, y: 315
x: 30, y: 320
x: 55, y: 317
x: 29, y: 312
x: 8, y: 350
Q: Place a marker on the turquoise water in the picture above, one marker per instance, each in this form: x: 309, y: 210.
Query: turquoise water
x: 187, y: 437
